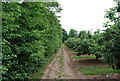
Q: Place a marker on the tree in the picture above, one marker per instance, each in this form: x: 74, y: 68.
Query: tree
x: 81, y: 44
x: 97, y: 44
x: 73, y: 33
x: 82, y: 34
x: 112, y: 36
x: 65, y: 35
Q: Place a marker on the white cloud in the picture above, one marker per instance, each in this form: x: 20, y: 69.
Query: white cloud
x: 84, y: 14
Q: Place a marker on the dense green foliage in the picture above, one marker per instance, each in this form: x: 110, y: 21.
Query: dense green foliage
x: 81, y: 44
x: 105, y: 44
x: 0, y: 40
x: 73, y: 33
x: 65, y: 35
x: 29, y: 36
x: 112, y: 38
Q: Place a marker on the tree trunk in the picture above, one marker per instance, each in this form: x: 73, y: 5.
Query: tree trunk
x: 96, y: 58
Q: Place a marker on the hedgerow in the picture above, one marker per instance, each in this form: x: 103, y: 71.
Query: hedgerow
x: 28, y: 37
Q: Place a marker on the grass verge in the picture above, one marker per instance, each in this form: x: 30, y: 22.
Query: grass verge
x: 74, y: 52
x: 40, y: 73
x: 78, y: 57
x: 97, y: 70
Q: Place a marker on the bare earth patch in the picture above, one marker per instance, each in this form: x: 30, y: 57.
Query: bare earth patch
x: 64, y: 67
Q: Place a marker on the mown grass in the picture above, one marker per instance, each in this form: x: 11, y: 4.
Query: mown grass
x: 78, y: 57
x: 97, y: 70
x: 73, y: 52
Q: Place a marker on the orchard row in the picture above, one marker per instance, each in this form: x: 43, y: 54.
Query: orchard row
x: 105, y: 44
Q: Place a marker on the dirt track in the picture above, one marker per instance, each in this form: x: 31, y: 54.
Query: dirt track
x: 63, y: 67
x: 60, y: 68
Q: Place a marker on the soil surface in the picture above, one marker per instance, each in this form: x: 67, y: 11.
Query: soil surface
x: 64, y: 67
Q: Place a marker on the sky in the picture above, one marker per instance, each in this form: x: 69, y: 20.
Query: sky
x: 84, y: 14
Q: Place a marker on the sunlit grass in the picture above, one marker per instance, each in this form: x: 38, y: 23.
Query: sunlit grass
x: 96, y: 70
x: 78, y: 57
x: 73, y: 52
